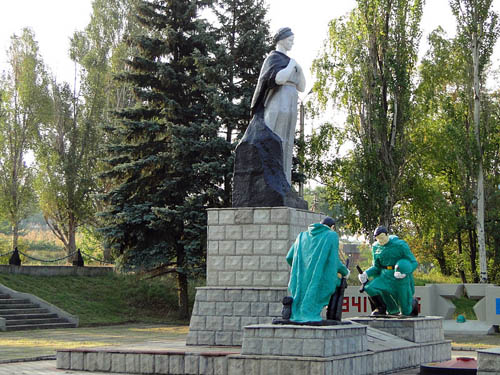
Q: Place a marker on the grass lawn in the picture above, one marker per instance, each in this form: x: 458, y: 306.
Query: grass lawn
x: 104, y: 300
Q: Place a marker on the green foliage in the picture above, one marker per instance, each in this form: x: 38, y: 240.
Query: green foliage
x: 90, y: 242
x: 242, y: 42
x: 367, y: 68
x: 413, y: 156
x: 24, y: 105
x: 434, y: 277
x: 66, y: 150
x: 465, y: 307
x: 163, y: 164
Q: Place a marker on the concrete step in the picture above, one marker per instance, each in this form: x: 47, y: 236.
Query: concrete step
x: 21, y: 322
x: 28, y: 316
x: 13, y: 311
x: 25, y: 327
x: 20, y: 314
x: 17, y: 306
x: 13, y: 301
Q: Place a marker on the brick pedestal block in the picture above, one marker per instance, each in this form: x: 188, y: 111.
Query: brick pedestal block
x: 304, y: 341
x: 144, y: 362
x: 488, y: 361
x: 419, y: 330
x: 219, y: 314
x: 352, y: 364
x: 247, y: 274
x: 247, y: 246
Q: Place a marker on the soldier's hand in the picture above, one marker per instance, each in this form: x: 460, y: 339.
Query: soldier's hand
x: 348, y: 274
x: 399, y: 275
x: 363, y: 278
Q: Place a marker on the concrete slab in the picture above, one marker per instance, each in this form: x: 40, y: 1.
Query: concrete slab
x: 469, y: 327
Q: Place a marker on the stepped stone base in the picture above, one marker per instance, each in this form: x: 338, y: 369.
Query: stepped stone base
x: 352, y: 364
x: 304, y: 341
x: 247, y: 274
x: 220, y: 313
x: 356, y: 349
x: 178, y: 362
x: 276, y: 350
x: 418, y: 329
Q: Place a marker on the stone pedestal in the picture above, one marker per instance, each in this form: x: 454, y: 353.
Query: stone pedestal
x: 247, y: 274
x: 304, y: 341
x: 419, y: 329
x: 488, y: 361
x: 290, y: 349
x: 404, y: 343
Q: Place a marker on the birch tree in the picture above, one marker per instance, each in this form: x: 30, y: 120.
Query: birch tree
x: 478, y: 31
x: 366, y: 68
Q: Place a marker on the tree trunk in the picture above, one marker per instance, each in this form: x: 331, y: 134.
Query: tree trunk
x: 480, y: 177
x: 182, y: 295
x: 15, y: 235
x: 496, y: 261
x: 71, y: 235
x: 228, y: 177
x: 439, y: 254
x: 182, y: 284
x: 460, y: 267
x: 472, y: 256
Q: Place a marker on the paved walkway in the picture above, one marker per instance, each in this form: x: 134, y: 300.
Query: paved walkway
x: 24, y: 346
x: 32, y: 344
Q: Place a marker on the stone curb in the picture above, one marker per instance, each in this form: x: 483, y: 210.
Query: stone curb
x: 32, y: 359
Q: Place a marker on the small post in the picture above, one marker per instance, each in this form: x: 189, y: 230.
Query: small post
x: 15, y: 259
x: 78, y: 259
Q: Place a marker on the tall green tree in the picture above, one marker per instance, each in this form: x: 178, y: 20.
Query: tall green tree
x: 99, y: 52
x: 243, y: 40
x: 23, y: 108
x: 66, y: 151
x: 478, y: 31
x: 69, y: 144
x: 163, y: 162
x: 442, y: 195
x: 367, y: 68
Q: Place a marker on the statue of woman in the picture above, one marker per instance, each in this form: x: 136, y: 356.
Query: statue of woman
x: 276, y: 94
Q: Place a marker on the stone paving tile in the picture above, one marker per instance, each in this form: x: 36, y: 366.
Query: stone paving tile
x: 40, y: 368
x: 31, y: 344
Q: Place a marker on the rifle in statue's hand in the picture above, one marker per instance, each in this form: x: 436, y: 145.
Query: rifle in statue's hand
x: 334, y: 310
x: 360, y: 271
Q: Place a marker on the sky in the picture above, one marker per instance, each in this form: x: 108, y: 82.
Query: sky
x: 55, y: 21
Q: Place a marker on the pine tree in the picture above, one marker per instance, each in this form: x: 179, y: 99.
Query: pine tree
x: 243, y: 42
x: 165, y: 167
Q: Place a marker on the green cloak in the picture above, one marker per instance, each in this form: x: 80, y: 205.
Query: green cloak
x: 313, y: 279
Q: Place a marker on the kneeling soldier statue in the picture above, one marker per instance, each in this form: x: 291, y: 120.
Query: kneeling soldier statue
x: 392, y: 288
x: 315, y: 262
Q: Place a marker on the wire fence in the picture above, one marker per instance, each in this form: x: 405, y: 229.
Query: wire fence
x: 84, y: 254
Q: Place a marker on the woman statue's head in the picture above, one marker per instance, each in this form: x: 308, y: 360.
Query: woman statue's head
x: 284, y: 38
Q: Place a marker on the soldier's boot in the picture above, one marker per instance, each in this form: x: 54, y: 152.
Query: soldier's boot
x: 414, y: 310
x: 286, y: 311
x: 378, y: 305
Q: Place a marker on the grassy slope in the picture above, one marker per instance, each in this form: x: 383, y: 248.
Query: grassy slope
x: 111, y: 299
